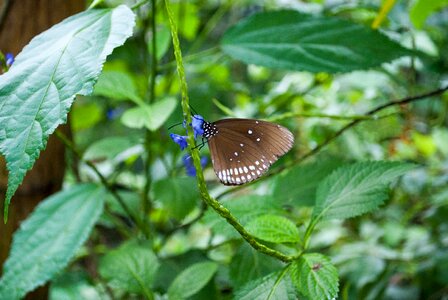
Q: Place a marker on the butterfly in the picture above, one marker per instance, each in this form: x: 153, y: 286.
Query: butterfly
x: 242, y: 150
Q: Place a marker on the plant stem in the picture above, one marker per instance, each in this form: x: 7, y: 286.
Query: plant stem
x: 103, y: 179
x: 220, y: 209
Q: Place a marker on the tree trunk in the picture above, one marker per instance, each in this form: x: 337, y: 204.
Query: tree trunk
x: 20, y: 21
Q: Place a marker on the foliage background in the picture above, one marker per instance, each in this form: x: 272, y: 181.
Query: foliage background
x: 164, y: 243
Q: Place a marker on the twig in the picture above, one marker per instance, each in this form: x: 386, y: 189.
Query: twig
x: 312, y: 152
x: 221, y: 210
x: 103, y: 179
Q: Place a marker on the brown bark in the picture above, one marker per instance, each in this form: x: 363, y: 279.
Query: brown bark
x: 20, y: 21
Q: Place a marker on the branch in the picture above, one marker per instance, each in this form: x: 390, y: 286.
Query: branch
x: 103, y: 179
x: 369, y: 115
x: 220, y: 209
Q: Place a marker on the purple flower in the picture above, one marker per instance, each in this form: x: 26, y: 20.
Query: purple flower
x: 9, y: 58
x: 181, y: 140
x: 189, y: 166
x: 196, y: 124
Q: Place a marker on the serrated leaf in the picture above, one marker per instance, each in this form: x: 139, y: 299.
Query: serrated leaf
x: 38, y: 90
x: 315, y: 277
x: 49, y: 238
x: 191, y: 280
x: 274, y: 286
x: 248, y: 264
x: 244, y: 209
x: 291, y: 40
x: 274, y: 229
x: 131, y: 267
x: 298, y: 185
x: 117, y: 85
x: 150, y: 116
x: 178, y: 195
x: 356, y: 189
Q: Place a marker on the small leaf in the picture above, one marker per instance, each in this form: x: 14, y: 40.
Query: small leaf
x: 244, y: 209
x: 38, y: 90
x: 298, y: 185
x: 107, y: 148
x: 295, y: 41
x: 422, y: 9
x: 248, y: 264
x: 315, y: 277
x: 85, y: 116
x: 131, y: 267
x: 49, y: 238
x: 274, y: 229
x: 150, y: 116
x: 178, y: 195
x: 117, y: 85
x: 191, y: 280
x: 274, y: 286
x: 356, y: 189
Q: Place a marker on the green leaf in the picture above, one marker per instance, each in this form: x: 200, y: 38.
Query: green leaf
x: 248, y: 264
x: 178, y: 195
x: 295, y: 41
x: 49, y: 238
x: 274, y: 286
x: 298, y: 185
x: 73, y: 286
x: 85, y: 116
x: 163, y: 39
x: 107, y: 148
x: 315, y: 277
x: 191, y: 280
x: 274, y: 229
x: 356, y: 189
x: 422, y: 9
x: 244, y: 209
x: 150, y: 116
x: 37, y: 92
x: 117, y: 85
x: 130, y: 267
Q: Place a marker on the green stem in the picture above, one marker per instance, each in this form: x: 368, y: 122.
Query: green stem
x: 103, y: 179
x: 221, y: 210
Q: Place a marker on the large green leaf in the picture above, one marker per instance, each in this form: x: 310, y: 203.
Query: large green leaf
x: 49, y: 238
x: 356, y: 189
x: 130, y: 267
x: 37, y: 92
x: 295, y: 41
x: 298, y: 185
x: 274, y: 286
x: 191, y: 280
x: 315, y: 277
x: 178, y: 195
x: 274, y: 229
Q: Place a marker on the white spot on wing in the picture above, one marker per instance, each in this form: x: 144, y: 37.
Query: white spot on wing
x: 249, y: 131
x: 236, y: 153
x: 246, y: 170
x: 257, y: 162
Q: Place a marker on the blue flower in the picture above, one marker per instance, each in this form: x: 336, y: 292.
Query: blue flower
x: 196, y: 124
x: 181, y: 140
x: 9, y: 58
x: 189, y: 166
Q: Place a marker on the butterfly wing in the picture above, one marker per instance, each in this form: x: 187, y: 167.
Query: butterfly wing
x: 242, y: 150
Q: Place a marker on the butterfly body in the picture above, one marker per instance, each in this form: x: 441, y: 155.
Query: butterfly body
x: 242, y: 150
